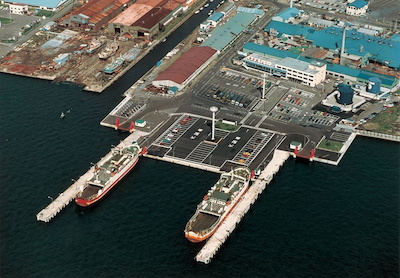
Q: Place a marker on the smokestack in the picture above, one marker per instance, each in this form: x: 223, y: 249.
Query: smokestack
x: 342, y: 48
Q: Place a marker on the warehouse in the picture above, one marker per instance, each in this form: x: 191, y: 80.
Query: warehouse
x: 145, y: 19
x: 187, y: 67
x: 96, y: 14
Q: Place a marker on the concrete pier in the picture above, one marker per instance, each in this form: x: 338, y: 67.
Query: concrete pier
x: 226, y: 228
x: 70, y: 193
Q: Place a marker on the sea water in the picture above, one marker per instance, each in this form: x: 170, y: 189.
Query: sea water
x: 314, y: 220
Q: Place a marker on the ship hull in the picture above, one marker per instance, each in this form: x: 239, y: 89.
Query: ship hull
x: 196, y: 238
x: 196, y: 229
x: 86, y: 203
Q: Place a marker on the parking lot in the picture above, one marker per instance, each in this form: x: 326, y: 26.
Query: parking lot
x: 234, y: 89
x: 189, y: 138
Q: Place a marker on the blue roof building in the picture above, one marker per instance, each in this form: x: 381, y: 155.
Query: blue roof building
x: 288, y: 29
x: 287, y: 15
x: 224, y: 35
x: 334, y: 70
x: 257, y: 12
x: 215, y: 18
x: 381, y: 50
x: 357, y: 8
x: 47, y: 5
x: 358, y: 4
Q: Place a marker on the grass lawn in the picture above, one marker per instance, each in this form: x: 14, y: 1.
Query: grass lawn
x: 226, y: 127
x: 330, y: 145
x: 45, y: 13
x: 387, y: 121
x: 5, y: 20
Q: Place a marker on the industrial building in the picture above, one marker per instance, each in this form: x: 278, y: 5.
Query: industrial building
x: 307, y: 73
x: 215, y: 18
x: 257, y: 12
x: 49, y: 5
x: 96, y: 14
x: 146, y: 18
x: 352, y: 75
x: 225, y: 35
x: 287, y: 15
x: 360, y: 48
x: 186, y: 67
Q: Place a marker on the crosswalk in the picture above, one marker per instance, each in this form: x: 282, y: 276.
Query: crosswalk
x: 341, y: 137
x: 200, y: 153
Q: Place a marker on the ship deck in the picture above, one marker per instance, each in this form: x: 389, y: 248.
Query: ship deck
x: 203, y: 221
x: 89, y: 191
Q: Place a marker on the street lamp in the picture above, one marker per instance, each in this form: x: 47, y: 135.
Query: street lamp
x: 213, y: 109
x: 263, y: 91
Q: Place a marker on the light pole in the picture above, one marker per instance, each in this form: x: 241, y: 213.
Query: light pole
x: 263, y: 91
x: 213, y: 109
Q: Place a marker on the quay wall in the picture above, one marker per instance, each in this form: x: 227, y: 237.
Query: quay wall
x: 378, y: 135
x: 186, y: 163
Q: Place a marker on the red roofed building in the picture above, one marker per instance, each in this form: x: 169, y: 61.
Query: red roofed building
x: 146, y: 18
x: 96, y: 13
x: 187, y: 67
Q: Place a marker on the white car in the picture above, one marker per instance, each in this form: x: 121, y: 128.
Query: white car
x: 238, y: 138
x: 192, y: 137
x: 200, y: 130
x: 196, y: 134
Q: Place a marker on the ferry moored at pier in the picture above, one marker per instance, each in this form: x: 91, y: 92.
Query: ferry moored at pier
x: 108, y: 172
x: 217, y: 204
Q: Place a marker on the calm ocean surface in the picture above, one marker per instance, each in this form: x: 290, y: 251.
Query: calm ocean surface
x: 313, y: 221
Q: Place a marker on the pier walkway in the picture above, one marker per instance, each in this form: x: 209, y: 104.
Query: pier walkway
x: 226, y: 228
x: 69, y: 194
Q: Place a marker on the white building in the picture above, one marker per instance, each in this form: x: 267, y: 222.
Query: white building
x: 18, y: 8
x: 310, y: 74
x: 357, y: 8
x: 50, y: 5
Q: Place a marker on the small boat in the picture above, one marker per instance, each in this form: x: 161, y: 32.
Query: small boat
x: 164, y: 40
x: 62, y: 116
x: 206, y: 5
x: 196, y: 12
x: 201, y: 8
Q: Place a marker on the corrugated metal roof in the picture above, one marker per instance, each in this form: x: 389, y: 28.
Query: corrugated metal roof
x: 250, y: 10
x: 187, y: 64
x: 288, y: 13
x: 152, y: 17
x: 388, y: 81
x: 221, y: 36
x: 290, y: 29
x: 146, y: 13
x: 381, y: 49
x: 251, y: 47
x: 216, y: 17
x: 97, y: 10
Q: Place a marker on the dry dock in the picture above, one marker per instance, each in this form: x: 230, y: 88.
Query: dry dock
x: 69, y: 194
x: 226, y: 228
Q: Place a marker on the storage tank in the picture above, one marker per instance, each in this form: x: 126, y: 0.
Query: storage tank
x: 374, y: 85
x: 346, y: 93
